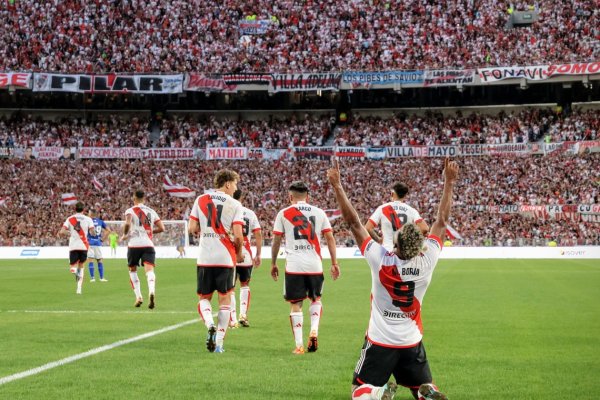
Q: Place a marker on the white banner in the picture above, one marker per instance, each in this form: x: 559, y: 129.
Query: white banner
x: 111, y: 83
x: 537, y: 72
x: 304, y: 82
x: 15, y: 79
x: 226, y: 153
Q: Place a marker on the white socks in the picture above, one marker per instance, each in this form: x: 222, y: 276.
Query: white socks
x: 135, y: 284
x: 222, y: 323
x: 205, y: 311
x: 233, y: 315
x: 80, y: 273
x: 244, y: 300
x: 151, y: 277
x: 367, y: 392
x: 316, y: 309
x: 296, y: 320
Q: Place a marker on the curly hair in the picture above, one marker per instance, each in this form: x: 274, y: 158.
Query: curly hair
x: 410, y: 241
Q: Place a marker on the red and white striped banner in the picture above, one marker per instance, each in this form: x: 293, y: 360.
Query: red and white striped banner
x: 333, y: 214
x: 68, y: 199
x: 97, y: 183
x: 175, y: 190
x: 452, y: 233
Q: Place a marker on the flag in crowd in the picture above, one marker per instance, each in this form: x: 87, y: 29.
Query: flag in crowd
x: 97, y: 183
x: 3, y: 201
x: 176, y: 190
x: 68, y: 199
x: 268, y: 198
x: 452, y: 233
x: 333, y: 214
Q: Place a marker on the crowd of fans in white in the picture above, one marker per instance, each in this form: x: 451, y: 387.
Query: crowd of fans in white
x: 176, y: 35
x: 302, y: 130
x: 34, y: 211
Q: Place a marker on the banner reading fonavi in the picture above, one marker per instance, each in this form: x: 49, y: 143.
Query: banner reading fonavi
x: 111, y: 83
x: 537, y: 72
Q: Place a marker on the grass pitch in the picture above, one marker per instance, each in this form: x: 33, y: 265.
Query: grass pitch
x: 494, y: 329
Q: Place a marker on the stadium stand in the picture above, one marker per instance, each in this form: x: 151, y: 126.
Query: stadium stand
x: 177, y: 36
x: 550, y: 180
x: 113, y: 130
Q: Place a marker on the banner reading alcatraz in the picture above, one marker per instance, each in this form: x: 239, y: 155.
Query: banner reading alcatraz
x: 111, y: 83
x: 303, y: 82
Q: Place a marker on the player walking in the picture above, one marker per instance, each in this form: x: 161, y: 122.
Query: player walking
x: 141, y: 223
x: 101, y: 231
x: 303, y: 224
x: 243, y: 270
x: 78, y: 226
x: 392, y: 216
x: 218, y: 218
x: 393, y: 342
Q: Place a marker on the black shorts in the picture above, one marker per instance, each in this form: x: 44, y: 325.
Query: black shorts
x: 300, y: 286
x: 146, y: 255
x: 77, y: 256
x: 214, y: 278
x: 377, y: 363
x: 243, y: 273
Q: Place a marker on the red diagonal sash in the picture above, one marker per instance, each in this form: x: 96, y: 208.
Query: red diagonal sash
x: 144, y: 220
x: 390, y: 214
x: 304, y: 227
x: 77, y: 227
x: 206, y: 204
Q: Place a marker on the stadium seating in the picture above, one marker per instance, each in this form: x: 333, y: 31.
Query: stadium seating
x: 175, y: 35
x: 33, y: 211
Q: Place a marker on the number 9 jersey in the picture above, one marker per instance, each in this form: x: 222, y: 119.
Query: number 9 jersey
x: 216, y: 213
x: 397, y: 292
x: 302, y: 225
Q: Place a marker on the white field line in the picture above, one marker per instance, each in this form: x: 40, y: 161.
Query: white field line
x: 92, y: 352
x: 96, y: 312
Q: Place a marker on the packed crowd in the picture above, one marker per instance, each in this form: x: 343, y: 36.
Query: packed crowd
x: 33, y: 212
x: 177, y: 35
x: 527, y: 125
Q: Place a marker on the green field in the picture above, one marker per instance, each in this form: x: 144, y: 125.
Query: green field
x: 494, y: 329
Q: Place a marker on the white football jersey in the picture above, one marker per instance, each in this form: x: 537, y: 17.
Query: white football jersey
x: 143, y: 219
x: 251, y: 225
x: 216, y: 213
x: 397, y: 292
x: 79, y: 226
x: 391, y: 216
x: 302, y: 225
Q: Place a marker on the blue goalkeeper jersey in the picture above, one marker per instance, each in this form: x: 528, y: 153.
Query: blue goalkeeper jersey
x: 96, y: 239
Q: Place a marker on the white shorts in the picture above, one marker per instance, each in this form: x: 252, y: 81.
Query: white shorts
x: 95, y: 252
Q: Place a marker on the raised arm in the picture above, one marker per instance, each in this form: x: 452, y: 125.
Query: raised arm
x: 370, y: 227
x: 450, y: 175
x: 348, y: 212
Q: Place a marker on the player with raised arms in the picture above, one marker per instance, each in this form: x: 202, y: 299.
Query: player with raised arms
x: 393, y: 343
x: 141, y: 224
x: 302, y: 224
x: 77, y: 227
x: 219, y: 219
x: 392, y: 216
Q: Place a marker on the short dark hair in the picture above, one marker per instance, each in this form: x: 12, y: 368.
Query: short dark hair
x: 224, y: 176
x: 79, y: 206
x: 237, y: 194
x: 139, y: 194
x: 401, y: 189
x: 298, y: 187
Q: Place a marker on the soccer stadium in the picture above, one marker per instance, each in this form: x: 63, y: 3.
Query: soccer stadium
x: 299, y: 199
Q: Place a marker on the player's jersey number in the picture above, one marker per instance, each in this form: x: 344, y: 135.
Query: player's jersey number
x: 398, y: 220
x: 303, y: 230
x: 213, y: 223
x: 404, y: 294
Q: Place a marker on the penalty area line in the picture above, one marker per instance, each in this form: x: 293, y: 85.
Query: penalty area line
x: 97, y: 350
